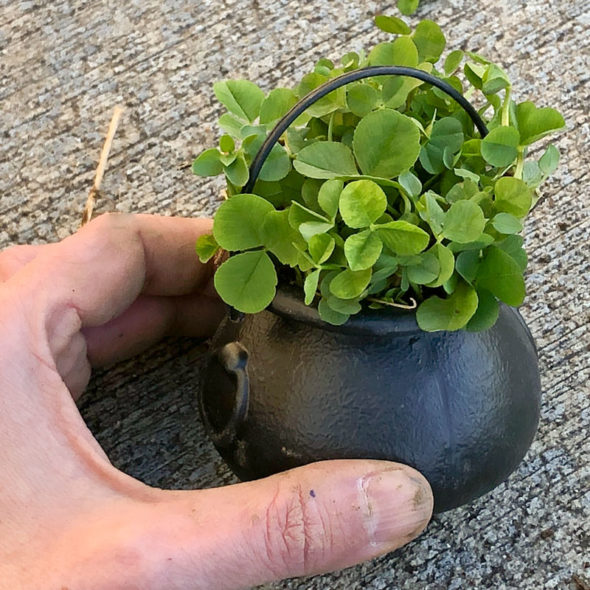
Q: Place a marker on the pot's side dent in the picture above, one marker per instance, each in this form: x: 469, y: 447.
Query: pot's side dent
x: 492, y: 403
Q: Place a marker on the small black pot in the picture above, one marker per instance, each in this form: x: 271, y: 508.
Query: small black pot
x: 283, y: 389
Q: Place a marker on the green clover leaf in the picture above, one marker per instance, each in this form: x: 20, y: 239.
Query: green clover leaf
x: 426, y: 271
x: 446, y: 261
x: 238, y: 222
x: 500, y: 147
x: 512, y: 245
x: 506, y: 223
x: 500, y: 274
x: 231, y: 125
x: 325, y: 160
x: 308, y: 222
x: 402, y: 237
x: 247, y: 281
x: 362, y: 250
x: 276, y: 166
x: 386, y: 143
x: 276, y: 104
x: 362, y: 202
x: 464, y: 222
x: 208, y: 163
x: 401, y: 52
x: 535, y: 123
x: 408, y: 7
x: 392, y: 24
x: 241, y: 97
x: 549, y: 160
x: 362, y: 98
x: 237, y: 171
x: 410, y: 183
x: 329, y: 197
x: 486, y: 314
x: 280, y: 238
x: 453, y: 313
x: 320, y: 247
x: 344, y: 306
x: 429, y: 40
x: 512, y: 195
x: 349, y: 284
x: 328, y: 104
x: 467, y: 264
x: 445, y: 140
x: 329, y: 315
x: 310, y: 285
x: 453, y: 61
x: 206, y: 247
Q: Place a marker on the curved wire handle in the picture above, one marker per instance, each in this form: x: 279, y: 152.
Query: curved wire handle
x: 342, y: 80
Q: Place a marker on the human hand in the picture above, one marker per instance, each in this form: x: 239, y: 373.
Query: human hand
x: 69, y: 519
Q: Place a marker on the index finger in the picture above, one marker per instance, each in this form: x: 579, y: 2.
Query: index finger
x: 100, y: 270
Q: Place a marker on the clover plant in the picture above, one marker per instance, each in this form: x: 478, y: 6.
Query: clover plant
x: 382, y: 193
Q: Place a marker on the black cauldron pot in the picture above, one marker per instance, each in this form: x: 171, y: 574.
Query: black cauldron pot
x: 283, y: 388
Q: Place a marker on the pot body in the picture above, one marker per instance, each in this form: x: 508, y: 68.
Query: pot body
x: 284, y: 389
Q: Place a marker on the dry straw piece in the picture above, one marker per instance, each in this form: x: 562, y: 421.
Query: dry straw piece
x: 102, y: 163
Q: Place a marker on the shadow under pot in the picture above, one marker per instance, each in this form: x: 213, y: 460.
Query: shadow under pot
x: 283, y: 389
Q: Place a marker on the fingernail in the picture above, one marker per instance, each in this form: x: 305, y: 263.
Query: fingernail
x: 397, y: 505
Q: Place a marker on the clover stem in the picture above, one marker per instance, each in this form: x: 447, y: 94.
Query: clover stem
x: 506, y: 108
x: 412, y: 305
x: 286, y: 145
x: 330, y: 127
x: 298, y: 277
x: 519, y: 163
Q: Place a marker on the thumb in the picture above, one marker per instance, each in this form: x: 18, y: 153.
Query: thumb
x: 314, y: 519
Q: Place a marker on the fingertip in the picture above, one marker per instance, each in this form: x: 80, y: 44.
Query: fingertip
x: 397, y: 505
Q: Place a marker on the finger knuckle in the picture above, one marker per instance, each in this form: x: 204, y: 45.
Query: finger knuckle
x: 108, y: 224
x: 296, y: 536
x: 113, y: 232
x: 103, y: 233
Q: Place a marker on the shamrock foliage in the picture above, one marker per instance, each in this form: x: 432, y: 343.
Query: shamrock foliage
x: 382, y: 193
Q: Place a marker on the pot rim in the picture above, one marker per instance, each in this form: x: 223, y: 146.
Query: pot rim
x: 288, y: 303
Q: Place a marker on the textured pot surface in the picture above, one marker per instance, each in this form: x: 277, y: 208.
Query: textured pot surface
x: 284, y: 389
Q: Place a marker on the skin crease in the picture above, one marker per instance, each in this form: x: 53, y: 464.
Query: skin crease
x: 69, y: 519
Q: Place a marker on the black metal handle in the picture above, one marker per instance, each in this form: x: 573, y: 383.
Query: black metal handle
x: 331, y: 85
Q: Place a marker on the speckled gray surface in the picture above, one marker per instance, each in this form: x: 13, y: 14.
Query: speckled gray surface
x: 64, y: 65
